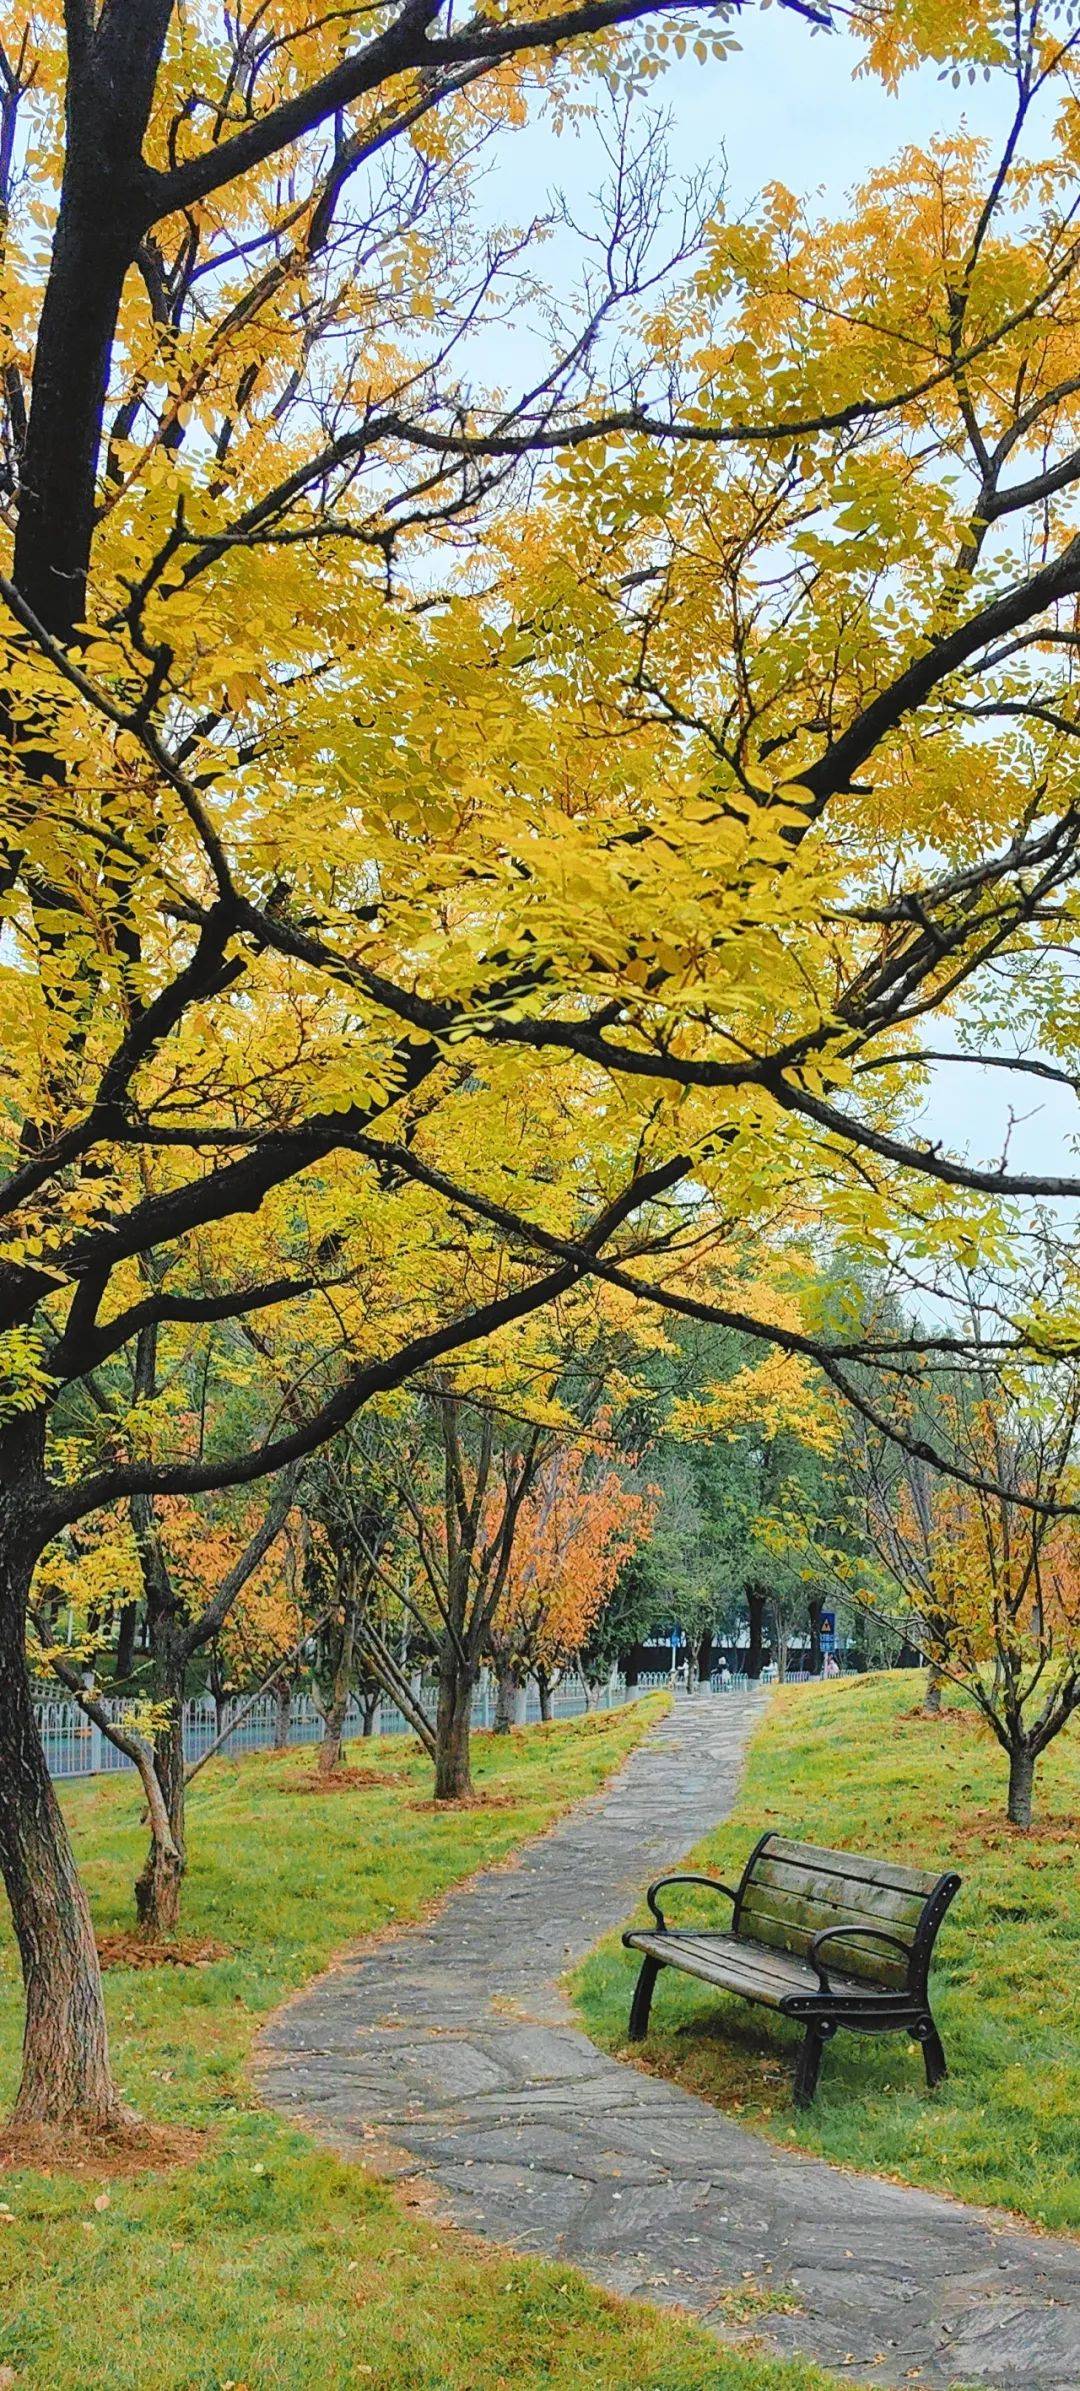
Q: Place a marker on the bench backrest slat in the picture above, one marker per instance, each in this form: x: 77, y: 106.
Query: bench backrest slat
x: 791, y: 1891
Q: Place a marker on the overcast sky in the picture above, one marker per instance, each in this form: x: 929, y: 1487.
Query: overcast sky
x: 791, y: 107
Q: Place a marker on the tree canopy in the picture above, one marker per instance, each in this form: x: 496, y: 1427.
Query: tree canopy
x: 458, y: 841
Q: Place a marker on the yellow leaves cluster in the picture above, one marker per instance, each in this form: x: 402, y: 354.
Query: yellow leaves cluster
x: 562, y: 766
x: 25, y: 1382
x: 777, y: 1396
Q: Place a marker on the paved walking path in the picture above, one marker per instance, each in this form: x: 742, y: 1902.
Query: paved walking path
x: 450, y: 2056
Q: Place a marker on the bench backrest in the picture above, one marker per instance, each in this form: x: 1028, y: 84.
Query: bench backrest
x: 790, y: 1891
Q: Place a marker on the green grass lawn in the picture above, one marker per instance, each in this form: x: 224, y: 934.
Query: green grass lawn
x: 269, y: 2265
x: 853, y: 1764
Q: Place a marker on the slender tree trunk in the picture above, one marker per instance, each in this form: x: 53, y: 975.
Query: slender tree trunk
x: 404, y: 1692
x: 453, y: 1720
x: 704, y: 1657
x: 125, y: 1641
x: 66, y: 2078
x: 369, y: 1712
x: 329, y: 1760
x: 157, y: 1887
x: 505, y: 1698
x: 932, y: 1697
x: 755, y: 1611
x: 814, y: 1607
x: 337, y: 1707
x: 543, y: 1687
x: 1021, y: 1786
x: 283, y: 1694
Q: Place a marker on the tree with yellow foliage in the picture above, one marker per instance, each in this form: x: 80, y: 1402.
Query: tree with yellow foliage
x: 375, y: 741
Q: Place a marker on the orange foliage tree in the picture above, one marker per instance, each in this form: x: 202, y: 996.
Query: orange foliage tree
x: 191, y: 1570
x: 578, y: 1524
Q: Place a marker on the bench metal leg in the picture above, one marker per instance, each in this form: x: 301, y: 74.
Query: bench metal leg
x: 932, y: 2051
x: 642, y: 2001
x: 808, y: 2063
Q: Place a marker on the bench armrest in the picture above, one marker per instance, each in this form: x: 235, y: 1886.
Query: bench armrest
x: 713, y: 1883
x: 851, y: 1934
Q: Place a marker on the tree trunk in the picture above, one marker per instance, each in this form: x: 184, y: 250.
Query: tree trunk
x: 755, y: 1611
x: 932, y: 1699
x: 102, y: 215
x: 543, y: 1687
x: 66, y: 2078
x: 704, y: 1657
x: 814, y: 1607
x: 505, y: 1698
x: 1021, y: 1786
x: 337, y: 1707
x: 125, y: 1641
x: 329, y: 1754
x: 75, y: 333
x: 157, y: 1887
x: 283, y: 1694
x: 157, y: 1891
x: 453, y: 1720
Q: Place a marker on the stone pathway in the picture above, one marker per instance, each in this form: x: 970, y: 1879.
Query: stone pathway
x: 450, y: 2056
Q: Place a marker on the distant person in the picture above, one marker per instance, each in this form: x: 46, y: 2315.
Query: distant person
x: 832, y: 1667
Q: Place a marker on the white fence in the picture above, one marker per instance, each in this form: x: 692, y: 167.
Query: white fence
x: 75, y: 1748
x: 734, y: 1682
x: 651, y: 1679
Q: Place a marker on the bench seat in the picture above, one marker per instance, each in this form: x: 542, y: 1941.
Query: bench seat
x: 770, y: 1977
x: 834, y: 1938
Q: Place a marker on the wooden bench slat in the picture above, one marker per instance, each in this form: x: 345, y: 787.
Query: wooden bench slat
x: 789, y: 1922
x: 731, y: 1969
x: 850, y: 1898
x: 873, y: 1963
x: 781, y: 1967
x: 849, y: 1864
x: 760, y: 1975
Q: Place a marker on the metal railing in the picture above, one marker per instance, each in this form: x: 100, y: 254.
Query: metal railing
x: 74, y: 1747
x: 651, y: 1680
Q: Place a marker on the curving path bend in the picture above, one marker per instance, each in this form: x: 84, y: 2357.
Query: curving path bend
x: 450, y: 2056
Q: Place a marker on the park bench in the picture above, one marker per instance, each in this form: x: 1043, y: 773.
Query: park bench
x: 828, y: 1937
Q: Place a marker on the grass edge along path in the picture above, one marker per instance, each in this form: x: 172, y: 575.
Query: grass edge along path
x: 854, y: 1764
x: 271, y: 2265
